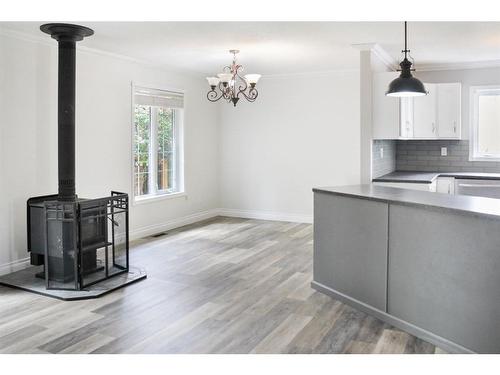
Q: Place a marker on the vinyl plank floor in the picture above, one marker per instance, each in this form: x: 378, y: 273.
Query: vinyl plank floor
x: 224, y: 285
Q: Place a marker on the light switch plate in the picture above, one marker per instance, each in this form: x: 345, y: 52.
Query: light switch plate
x: 444, y: 151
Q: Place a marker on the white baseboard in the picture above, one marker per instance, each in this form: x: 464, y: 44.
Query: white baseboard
x: 190, y: 219
x: 266, y: 215
x: 171, y: 224
x: 14, y: 266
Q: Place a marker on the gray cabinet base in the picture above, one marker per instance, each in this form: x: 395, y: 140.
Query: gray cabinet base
x: 398, y: 323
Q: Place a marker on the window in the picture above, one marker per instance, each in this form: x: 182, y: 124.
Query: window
x: 157, y: 143
x: 485, y: 123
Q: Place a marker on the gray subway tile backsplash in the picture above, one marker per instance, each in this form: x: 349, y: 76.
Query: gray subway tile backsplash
x: 425, y: 155
x: 387, y: 164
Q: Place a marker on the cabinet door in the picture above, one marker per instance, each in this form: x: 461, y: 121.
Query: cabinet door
x: 350, y: 247
x: 448, y: 105
x: 406, y: 117
x: 443, y: 275
x: 446, y: 185
x: 385, y: 109
x: 424, y: 114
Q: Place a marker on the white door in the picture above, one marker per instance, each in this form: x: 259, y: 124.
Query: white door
x: 424, y: 114
x: 449, y: 99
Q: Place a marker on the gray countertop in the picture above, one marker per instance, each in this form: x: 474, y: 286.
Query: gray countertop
x: 429, y: 177
x: 478, y: 206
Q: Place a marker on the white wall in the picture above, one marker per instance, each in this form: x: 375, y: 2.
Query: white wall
x: 28, y: 153
x: 259, y: 159
x: 303, y: 131
x: 468, y: 78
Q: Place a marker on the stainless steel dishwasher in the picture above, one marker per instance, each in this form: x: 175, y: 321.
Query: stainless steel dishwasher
x: 478, y: 188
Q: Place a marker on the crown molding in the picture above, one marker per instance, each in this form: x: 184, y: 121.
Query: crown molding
x: 392, y: 64
x: 322, y: 73
x: 458, y: 66
x: 378, y: 51
x: 50, y: 43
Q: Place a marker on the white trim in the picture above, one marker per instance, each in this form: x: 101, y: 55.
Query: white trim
x: 458, y: 66
x: 179, y: 128
x: 385, y: 57
x: 149, y: 230
x: 133, y: 235
x: 144, y: 199
x: 266, y: 215
x: 14, y: 266
x: 154, y: 86
x: 51, y: 43
x: 171, y: 224
x: 320, y: 73
x: 378, y: 51
x: 473, y: 123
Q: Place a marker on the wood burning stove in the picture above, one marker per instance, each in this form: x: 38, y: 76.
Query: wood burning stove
x: 79, y: 241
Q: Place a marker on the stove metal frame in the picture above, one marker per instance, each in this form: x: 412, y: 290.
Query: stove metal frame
x: 71, y: 215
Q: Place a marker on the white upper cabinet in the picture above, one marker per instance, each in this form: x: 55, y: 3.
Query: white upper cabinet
x: 449, y: 110
x: 385, y: 109
x: 406, y: 118
x: 434, y: 116
x: 425, y: 113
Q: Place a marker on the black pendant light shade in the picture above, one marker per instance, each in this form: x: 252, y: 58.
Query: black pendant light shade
x: 406, y: 85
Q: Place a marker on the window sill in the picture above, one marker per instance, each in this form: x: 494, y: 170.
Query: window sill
x: 159, y: 197
x: 484, y: 158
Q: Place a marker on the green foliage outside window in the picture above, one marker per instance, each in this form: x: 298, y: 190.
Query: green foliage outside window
x: 165, y: 153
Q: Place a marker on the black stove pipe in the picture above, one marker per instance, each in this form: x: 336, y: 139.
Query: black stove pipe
x: 66, y: 35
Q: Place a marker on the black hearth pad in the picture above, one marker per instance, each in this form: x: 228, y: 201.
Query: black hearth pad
x: 26, y: 280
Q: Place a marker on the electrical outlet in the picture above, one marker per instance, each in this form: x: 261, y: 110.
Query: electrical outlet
x: 444, y: 151
x: 381, y: 153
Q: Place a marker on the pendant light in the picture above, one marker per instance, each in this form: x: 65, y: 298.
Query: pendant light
x: 406, y: 85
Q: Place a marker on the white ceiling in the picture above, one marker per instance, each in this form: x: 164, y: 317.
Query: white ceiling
x: 286, y: 47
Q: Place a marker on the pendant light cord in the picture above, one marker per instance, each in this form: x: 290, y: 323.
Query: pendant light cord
x: 406, y: 40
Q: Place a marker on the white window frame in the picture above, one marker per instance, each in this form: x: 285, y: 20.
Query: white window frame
x: 475, y: 92
x: 178, y: 128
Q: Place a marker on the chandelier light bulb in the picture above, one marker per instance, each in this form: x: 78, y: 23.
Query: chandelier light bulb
x: 252, y: 78
x: 225, y: 77
x: 213, y: 81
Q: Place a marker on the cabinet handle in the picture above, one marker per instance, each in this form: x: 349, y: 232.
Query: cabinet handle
x: 454, y: 127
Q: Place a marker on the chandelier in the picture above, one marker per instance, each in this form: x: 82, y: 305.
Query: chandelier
x: 231, y: 85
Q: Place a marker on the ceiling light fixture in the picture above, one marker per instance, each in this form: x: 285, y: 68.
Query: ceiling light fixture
x: 231, y: 85
x: 406, y: 85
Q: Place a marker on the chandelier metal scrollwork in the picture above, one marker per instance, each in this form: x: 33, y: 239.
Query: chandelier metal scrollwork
x: 230, y: 85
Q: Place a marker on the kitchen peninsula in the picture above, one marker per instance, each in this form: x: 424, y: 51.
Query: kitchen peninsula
x: 424, y: 262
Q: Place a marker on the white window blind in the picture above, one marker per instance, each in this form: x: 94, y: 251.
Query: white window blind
x: 158, y: 98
